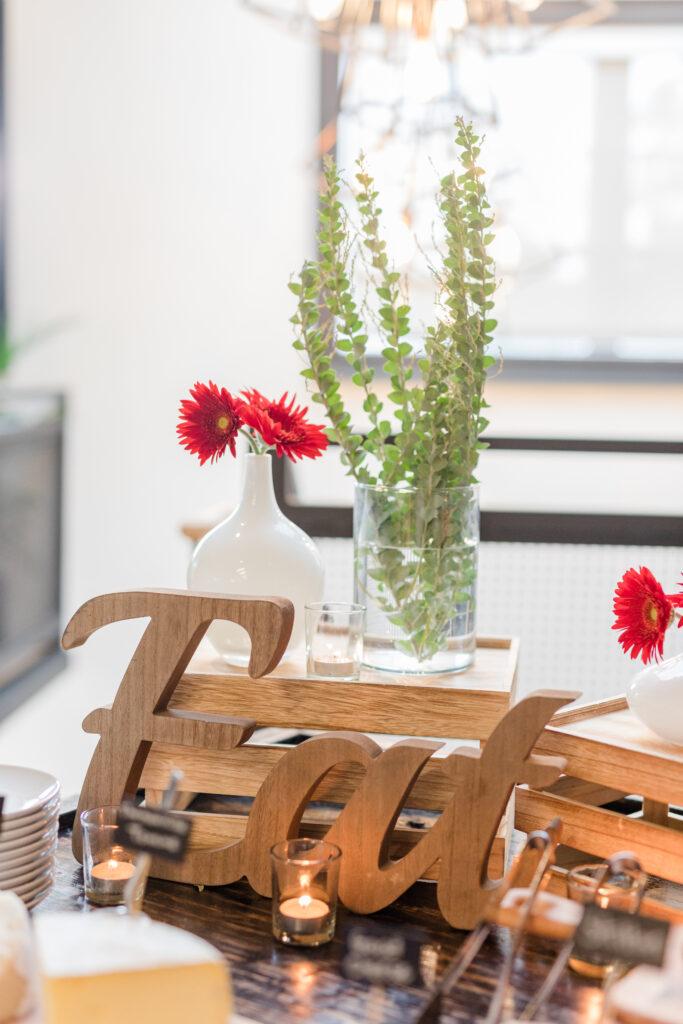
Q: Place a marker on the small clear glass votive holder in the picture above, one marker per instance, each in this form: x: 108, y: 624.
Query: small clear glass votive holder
x: 305, y: 880
x: 107, y: 865
x: 592, y: 883
x: 334, y: 639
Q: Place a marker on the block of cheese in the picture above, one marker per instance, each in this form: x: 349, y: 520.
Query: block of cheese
x: 108, y: 967
x: 647, y: 996
x: 16, y: 994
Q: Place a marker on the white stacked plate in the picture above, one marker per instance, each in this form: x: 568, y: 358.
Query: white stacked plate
x: 28, y: 832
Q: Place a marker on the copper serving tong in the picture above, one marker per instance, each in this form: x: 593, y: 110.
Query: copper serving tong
x: 527, y: 872
x: 618, y: 864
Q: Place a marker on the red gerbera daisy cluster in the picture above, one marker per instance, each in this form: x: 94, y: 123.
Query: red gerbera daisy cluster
x: 643, y: 613
x: 209, y: 422
x: 283, y: 425
x: 211, y: 419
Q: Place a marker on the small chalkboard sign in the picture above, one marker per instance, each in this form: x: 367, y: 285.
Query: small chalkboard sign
x: 152, y: 830
x: 382, y: 955
x: 611, y: 935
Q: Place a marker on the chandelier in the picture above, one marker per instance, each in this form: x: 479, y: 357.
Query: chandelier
x: 339, y: 23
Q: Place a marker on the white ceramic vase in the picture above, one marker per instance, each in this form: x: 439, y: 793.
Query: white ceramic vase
x: 256, y: 551
x: 655, y: 696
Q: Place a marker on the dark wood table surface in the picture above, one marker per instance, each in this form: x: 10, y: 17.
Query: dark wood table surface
x: 275, y: 984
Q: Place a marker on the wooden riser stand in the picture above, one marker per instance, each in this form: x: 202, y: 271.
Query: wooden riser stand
x: 466, y: 706
x: 174, y: 709
x: 610, y: 754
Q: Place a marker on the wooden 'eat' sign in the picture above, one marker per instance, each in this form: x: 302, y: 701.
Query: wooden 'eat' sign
x: 474, y: 786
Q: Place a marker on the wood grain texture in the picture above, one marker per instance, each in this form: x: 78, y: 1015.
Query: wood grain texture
x: 605, y: 743
x: 241, y: 772
x: 370, y: 878
x: 463, y: 706
x: 279, y: 985
x: 609, y: 751
x: 141, y: 713
x: 591, y: 793
x: 212, y: 830
x: 602, y: 833
x: 196, y: 714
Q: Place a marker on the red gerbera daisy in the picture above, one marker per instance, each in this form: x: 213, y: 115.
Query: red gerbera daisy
x: 209, y: 422
x: 283, y: 425
x: 643, y: 613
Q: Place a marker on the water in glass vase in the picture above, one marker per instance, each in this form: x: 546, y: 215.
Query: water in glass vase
x: 416, y: 572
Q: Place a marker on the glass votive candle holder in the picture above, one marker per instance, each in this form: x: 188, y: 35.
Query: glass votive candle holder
x: 107, y: 865
x: 334, y: 639
x: 305, y: 880
x: 619, y: 889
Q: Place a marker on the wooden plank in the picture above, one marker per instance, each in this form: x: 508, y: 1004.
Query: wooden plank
x: 211, y: 830
x: 602, y: 833
x: 241, y: 772
x: 494, y: 652
x: 656, y: 812
x: 623, y: 755
x: 403, y: 705
x: 465, y: 705
x: 585, y: 792
x: 588, y: 712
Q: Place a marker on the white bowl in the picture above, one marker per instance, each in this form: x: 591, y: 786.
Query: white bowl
x: 25, y: 789
x: 25, y: 847
x: 20, y: 843
x: 29, y: 889
x: 31, y: 873
x: 34, y: 829
x: 31, y: 820
x: 35, y: 853
x: 38, y: 898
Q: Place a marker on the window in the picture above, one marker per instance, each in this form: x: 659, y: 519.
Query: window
x: 585, y: 152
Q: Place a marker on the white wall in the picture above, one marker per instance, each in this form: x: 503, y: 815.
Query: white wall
x: 160, y: 196
x: 160, y: 191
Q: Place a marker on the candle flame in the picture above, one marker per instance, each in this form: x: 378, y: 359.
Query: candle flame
x: 305, y: 900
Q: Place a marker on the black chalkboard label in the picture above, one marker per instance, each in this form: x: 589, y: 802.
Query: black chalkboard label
x: 382, y: 955
x: 607, y: 935
x: 152, y: 830
x: 2, y: 804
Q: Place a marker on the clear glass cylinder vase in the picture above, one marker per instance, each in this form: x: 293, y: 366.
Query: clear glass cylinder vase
x: 415, y: 570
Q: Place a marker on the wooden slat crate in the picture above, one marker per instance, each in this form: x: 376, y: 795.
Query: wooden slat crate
x: 466, y: 706
x: 610, y: 754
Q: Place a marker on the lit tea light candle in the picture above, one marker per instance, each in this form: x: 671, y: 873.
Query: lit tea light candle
x: 107, y: 881
x: 335, y: 665
x: 305, y: 878
x: 304, y: 908
x: 304, y: 915
x: 113, y: 870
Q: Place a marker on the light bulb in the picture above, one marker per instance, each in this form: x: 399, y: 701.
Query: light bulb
x: 325, y: 10
x: 450, y: 16
x: 404, y: 14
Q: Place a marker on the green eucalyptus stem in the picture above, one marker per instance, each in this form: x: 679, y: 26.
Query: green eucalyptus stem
x: 437, y: 418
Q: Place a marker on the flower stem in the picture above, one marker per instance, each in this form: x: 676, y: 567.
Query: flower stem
x: 255, y: 447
